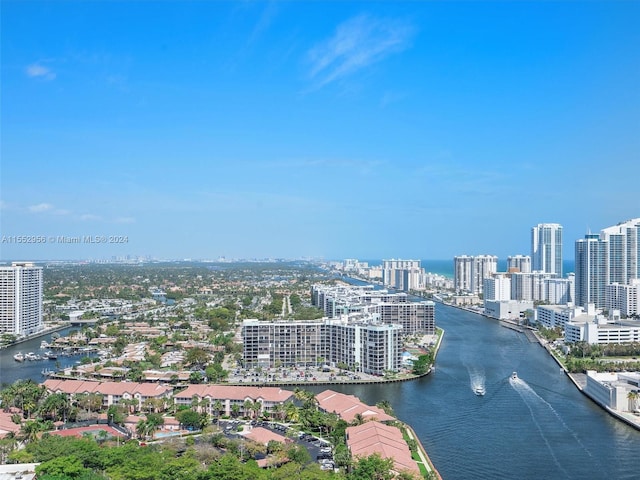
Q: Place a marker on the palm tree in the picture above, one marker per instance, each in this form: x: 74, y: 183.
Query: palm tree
x: 632, y: 396
x: 386, y: 406
x: 358, y: 419
x: 217, y: 407
x: 142, y: 429
x: 29, y: 430
x: 235, y: 410
x: 292, y: 413
x: 55, y: 406
x: 277, y: 411
x: 256, y: 407
x: 248, y: 405
x: 205, y: 403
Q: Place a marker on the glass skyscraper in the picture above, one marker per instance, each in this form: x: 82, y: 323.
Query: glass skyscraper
x: 546, y: 248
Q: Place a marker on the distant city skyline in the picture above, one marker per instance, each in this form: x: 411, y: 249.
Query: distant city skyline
x: 314, y: 129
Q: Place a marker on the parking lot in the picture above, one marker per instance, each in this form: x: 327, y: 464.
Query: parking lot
x: 296, y: 375
x: 320, y: 450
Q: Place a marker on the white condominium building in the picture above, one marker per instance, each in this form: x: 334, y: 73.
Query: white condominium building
x: 391, y: 308
x: 519, y: 263
x: 613, y: 256
x: 462, y: 273
x: 560, y: 291
x: 624, y: 298
x: 540, y: 286
x: 21, y: 299
x: 546, y: 248
x: 624, y: 251
x: 592, y: 270
x: 483, y: 267
x: 361, y: 342
x: 404, y: 275
x: 470, y: 272
x: 497, y: 287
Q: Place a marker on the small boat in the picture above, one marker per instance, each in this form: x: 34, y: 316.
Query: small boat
x: 44, y: 345
x: 18, y: 357
x: 480, y: 390
x: 514, y: 376
x: 31, y: 356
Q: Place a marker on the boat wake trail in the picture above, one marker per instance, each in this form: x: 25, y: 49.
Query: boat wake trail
x: 544, y: 416
x: 476, y: 379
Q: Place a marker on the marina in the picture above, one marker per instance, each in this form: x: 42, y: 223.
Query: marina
x: 28, y: 359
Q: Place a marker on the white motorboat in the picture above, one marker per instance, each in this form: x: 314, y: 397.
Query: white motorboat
x: 19, y: 357
x: 514, y: 376
x: 479, y: 390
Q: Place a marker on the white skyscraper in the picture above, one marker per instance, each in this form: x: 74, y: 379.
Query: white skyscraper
x: 624, y: 251
x: 483, y: 267
x: 546, y: 248
x: 497, y: 287
x: 470, y: 272
x: 612, y: 257
x: 462, y: 268
x: 592, y: 270
x: 20, y: 299
x: 401, y: 274
x: 519, y: 263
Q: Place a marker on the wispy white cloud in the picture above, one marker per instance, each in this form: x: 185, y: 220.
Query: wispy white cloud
x: 358, y: 43
x: 41, y: 207
x: 36, y: 70
x: 125, y: 220
x: 85, y: 217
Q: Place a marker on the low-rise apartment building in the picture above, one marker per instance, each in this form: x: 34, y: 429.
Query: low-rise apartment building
x: 220, y: 399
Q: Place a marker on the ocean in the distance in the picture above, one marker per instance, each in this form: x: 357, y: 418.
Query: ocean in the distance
x: 445, y: 267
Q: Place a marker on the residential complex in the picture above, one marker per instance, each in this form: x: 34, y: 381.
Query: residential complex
x: 611, y: 257
x: 404, y: 275
x: 374, y: 436
x: 592, y: 270
x: 143, y: 396
x: 365, y: 345
x: 546, y: 248
x: 389, y: 308
x: 624, y: 298
x: 21, y: 299
x: 469, y: 272
x: 226, y: 399
x: 519, y: 263
x: 363, y: 329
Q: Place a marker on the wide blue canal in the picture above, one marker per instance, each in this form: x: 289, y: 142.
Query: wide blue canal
x: 537, y: 427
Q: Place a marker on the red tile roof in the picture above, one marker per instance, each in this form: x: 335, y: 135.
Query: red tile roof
x: 264, y: 436
x: 375, y: 437
x: 224, y: 392
x: 107, y: 388
x: 348, y: 406
x: 6, y: 424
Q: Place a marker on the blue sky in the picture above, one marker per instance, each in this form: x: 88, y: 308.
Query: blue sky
x: 322, y: 129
